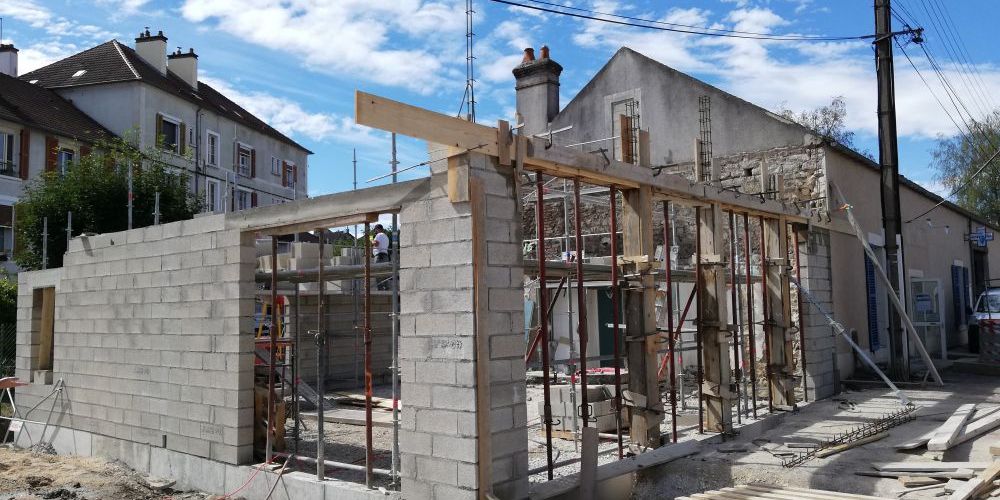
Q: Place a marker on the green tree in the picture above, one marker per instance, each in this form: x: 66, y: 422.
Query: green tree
x: 95, y: 189
x: 959, y: 163
x: 829, y: 121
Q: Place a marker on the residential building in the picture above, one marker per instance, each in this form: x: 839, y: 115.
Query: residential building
x: 40, y: 131
x: 235, y: 159
x: 758, y: 152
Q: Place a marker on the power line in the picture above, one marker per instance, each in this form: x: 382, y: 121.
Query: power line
x: 958, y: 189
x: 676, y: 28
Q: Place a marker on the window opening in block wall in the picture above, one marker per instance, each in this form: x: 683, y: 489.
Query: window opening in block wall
x: 43, y: 308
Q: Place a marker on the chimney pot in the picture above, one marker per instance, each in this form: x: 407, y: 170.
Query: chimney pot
x: 529, y: 55
x: 545, y: 51
x: 8, y: 59
x: 153, y: 49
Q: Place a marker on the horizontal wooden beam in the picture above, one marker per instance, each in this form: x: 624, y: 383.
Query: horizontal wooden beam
x: 461, y: 136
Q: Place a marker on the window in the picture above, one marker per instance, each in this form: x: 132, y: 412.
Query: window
x: 170, y: 131
x: 275, y: 166
x: 244, y: 160
x: 212, y: 149
x: 7, y: 145
x: 212, y: 201
x: 43, y: 307
x: 289, y: 174
x: 243, y: 199
x: 65, y: 159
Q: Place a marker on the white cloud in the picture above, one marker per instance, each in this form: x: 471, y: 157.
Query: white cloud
x: 32, y: 57
x: 291, y: 118
x: 356, y: 37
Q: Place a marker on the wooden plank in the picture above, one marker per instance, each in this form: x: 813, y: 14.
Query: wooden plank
x: 46, y: 330
x: 484, y: 440
x: 914, y: 481
x: 995, y: 449
x: 588, y: 463
x: 458, y: 179
x: 712, y: 315
x: 977, y: 485
x: 625, y: 139
x: 958, y: 474
x: 778, y: 320
x: 504, y: 140
x: 978, y: 428
x: 853, y: 444
x: 945, y: 435
x: 929, y: 466
x: 917, y: 442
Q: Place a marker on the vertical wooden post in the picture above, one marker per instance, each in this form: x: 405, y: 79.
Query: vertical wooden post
x: 640, y: 318
x: 626, y: 138
x: 712, y: 317
x: 778, y: 316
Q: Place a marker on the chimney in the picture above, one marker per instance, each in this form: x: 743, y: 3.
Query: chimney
x: 537, y: 85
x: 185, y: 66
x: 8, y: 59
x: 153, y: 49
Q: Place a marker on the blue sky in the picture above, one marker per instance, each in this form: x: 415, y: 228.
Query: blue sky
x: 296, y: 63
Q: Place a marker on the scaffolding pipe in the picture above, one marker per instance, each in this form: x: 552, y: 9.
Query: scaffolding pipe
x: 295, y: 367
x: 766, y: 319
x: 736, y: 315
x: 581, y: 302
x: 667, y: 245
x: 680, y: 325
x: 337, y: 465
x: 273, y: 348
x: 616, y: 326
x: 395, y: 351
x: 750, y: 334
x: 697, y: 335
x: 802, y: 329
x: 320, y: 363
x: 543, y: 319
x: 353, y: 271
x: 369, y: 454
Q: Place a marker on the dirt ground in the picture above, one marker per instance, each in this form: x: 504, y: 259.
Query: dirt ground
x: 25, y: 475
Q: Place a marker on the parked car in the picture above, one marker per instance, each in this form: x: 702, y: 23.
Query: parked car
x: 987, y: 308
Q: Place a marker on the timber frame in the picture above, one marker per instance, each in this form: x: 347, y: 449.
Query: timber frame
x: 642, y: 189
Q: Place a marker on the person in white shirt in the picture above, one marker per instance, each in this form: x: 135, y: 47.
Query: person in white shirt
x: 380, y: 250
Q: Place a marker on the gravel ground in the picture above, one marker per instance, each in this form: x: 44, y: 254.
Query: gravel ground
x: 343, y: 443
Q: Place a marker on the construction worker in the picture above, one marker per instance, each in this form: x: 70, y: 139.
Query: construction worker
x: 380, y: 250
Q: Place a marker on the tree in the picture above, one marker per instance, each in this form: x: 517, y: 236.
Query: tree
x: 958, y: 160
x: 95, y: 189
x: 829, y: 121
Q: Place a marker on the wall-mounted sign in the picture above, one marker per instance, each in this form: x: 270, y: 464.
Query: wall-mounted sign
x: 980, y: 236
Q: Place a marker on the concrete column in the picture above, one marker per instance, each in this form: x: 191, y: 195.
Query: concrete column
x: 439, y: 331
x: 820, y: 340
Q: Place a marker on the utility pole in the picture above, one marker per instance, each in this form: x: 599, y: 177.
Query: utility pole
x: 899, y: 360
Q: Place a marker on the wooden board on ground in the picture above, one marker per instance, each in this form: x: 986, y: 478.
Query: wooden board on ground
x: 914, y: 481
x: 944, y: 437
x: 995, y: 449
x: 929, y: 466
x: 755, y: 491
x: 853, y: 444
x: 978, y: 428
x: 350, y: 416
x: 981, y: 413
x: 977, y: 485
x: 958, y: 474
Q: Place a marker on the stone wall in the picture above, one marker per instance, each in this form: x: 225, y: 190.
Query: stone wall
x: 151, y: 338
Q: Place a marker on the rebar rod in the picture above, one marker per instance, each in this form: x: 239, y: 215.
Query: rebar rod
x: 543, y: 320
x: 273, y: 347
x: 581, y: 303
x: 768, y: 324
x: 667, y: 245
x: 295, y: 369
x: 395, y: 348
x: 615, y: 311
x: 751, y: 340
x: 802, y: 328
x: 736, y: 318
x: 701, y: 409
x: 320, y: 363
x: 369, y: 453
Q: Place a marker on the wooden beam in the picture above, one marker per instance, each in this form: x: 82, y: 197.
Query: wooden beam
x: 945, y: 435
x: 640, y: 319
x: 717, y: 386
x: 625, y: 139
x: 778, y: 319
x: 484, y: 440
x: 458, y: 179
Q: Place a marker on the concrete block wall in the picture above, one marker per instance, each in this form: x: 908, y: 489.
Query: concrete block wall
x: 341, y: 343
x: 820, y: 339
x: 147, y: 338
x: 438, y: 437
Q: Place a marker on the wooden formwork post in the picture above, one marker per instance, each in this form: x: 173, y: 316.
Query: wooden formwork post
x: 640, y: 318
x: 777, y: 332
x: 717, y: 388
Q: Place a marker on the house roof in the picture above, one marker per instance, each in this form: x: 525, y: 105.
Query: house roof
x: 44, y: 109
x: 112, y: 62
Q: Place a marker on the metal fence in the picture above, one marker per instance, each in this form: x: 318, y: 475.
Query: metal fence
x: 8, y: 345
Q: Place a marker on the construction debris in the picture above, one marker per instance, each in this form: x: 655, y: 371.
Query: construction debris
x: 946, y: 435
x: 754, y: 491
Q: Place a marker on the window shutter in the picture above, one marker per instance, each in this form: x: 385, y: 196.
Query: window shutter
x: 253, y: 199
x: 25, y: 149
x: 236, y: 156
x: 182, y: 139
x: 253, y: 163
x: 284, y: 174
x: 51, y: 153
x: 159, y: 129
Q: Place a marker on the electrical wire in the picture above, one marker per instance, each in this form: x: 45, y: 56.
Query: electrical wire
x: 958, y: 189
x: 673, y: 27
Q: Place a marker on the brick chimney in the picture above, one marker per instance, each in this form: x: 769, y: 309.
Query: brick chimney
x: 537, y: 85
x: 153, y: 49
x: 184, y: 65
x: 8, y: 59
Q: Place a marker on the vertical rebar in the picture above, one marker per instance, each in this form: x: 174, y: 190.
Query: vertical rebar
x: 271, y: 355
x: 581, y: 303
x: 736, y: 318
x: 320, y: 362
x: 751, y: 340
x: 45, y: 242
x: 369, y: 455
x: 295, y: 366
x: 697, y: 280
x: 764, y: 267
x: 394, y: 254
x: 802, y: 328
x: 543, y: 318
x: 668, y: 279
x: 615, y: 311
